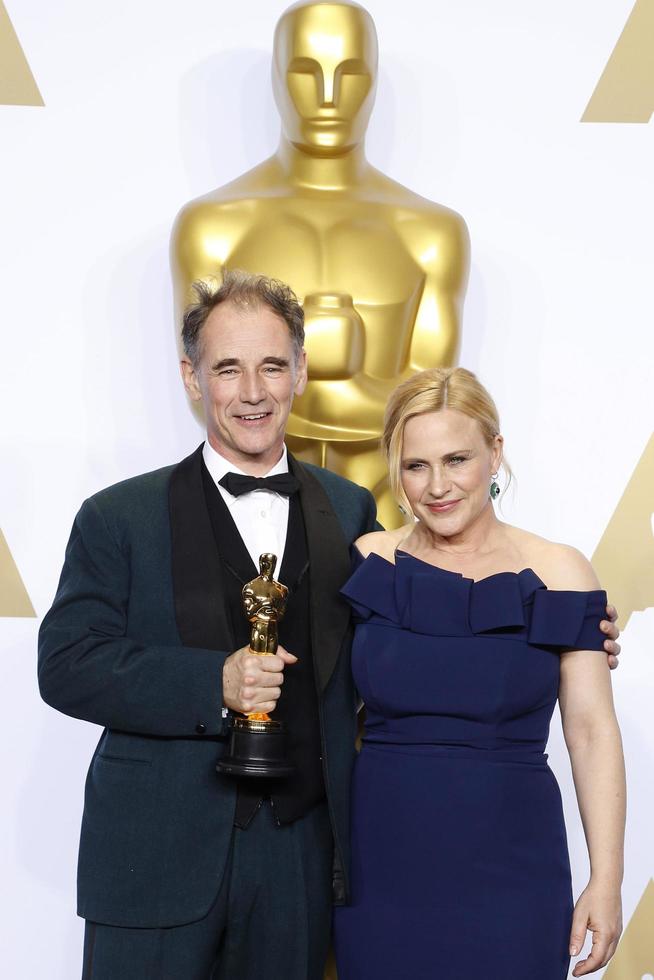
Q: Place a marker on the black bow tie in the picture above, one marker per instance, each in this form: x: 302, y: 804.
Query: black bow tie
x: 236, y: 483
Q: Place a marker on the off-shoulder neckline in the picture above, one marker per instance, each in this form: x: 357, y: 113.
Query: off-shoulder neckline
x: 445, y: 571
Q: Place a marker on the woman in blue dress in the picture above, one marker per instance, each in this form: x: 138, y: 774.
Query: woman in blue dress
x: 468, y: 630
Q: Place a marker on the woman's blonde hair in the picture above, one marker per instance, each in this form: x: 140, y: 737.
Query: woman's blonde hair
x: 432, y: 391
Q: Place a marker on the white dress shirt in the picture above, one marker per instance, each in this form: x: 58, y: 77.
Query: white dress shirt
x: 261, y: 516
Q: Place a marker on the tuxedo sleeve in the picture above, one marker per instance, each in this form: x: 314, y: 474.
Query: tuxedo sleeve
x: 371, y: 522
x: 90, y: 668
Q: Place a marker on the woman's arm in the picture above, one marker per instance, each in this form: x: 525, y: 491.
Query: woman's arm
x: 593, y: 740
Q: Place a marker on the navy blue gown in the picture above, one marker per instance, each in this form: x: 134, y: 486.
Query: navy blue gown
x: 460, y: 862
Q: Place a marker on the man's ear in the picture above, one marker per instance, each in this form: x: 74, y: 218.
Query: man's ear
x: 301, y: 374
x: 190, y: 380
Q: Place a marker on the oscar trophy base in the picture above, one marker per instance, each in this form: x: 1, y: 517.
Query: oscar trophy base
x: 256, y: 748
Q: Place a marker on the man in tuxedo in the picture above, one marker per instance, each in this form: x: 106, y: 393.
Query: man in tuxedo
x: 185, y: 873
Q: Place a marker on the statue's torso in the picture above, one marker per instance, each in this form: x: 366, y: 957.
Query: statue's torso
x: 327, y: 246
x: 381, y: 273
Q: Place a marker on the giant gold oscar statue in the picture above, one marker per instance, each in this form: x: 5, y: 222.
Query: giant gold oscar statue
x: 381, y: 271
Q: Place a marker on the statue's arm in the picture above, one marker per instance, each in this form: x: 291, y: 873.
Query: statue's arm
x: 440, y: 244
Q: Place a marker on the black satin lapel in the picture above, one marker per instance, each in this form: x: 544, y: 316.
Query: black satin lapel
x: 329, y: 569
x: 296, y: 556
x: 202, y: 619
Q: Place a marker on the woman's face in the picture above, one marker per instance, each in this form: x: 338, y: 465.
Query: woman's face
x: 446, y: 469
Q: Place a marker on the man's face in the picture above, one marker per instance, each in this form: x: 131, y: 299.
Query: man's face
x: 324, y: 69
x: 246, y: 378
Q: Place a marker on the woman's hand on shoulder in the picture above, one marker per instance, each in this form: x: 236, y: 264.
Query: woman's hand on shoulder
x: 598, y: 910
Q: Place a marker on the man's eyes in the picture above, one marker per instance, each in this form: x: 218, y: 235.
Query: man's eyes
x: 229, y: 372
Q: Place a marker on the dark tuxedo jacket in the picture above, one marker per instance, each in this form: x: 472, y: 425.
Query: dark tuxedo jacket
x: 135, y: 641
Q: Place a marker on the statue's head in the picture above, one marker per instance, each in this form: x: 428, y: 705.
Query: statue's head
x: 324, y: 75
x: 267, y: 563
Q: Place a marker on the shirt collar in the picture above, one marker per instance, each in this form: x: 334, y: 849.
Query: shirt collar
x: 218, y: 466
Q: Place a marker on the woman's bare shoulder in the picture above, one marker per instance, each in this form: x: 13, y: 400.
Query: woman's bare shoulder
x: 560, y: 566
x: 382, y: 543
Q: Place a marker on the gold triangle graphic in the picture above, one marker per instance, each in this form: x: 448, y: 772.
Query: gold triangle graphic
x: 625, y: 91
x: 635, y: 954
x: 14, y: 600
x: 330, y: 967
x: 17, y: 85
x: 624, y: 558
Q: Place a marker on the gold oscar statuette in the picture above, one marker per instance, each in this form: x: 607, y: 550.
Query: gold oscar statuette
x: 381, y: 270
x: 256, y: 745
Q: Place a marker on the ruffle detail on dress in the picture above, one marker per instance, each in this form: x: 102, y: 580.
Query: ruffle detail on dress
x: 568, y: 619
x: 371, y: 587
x: 417, y: 596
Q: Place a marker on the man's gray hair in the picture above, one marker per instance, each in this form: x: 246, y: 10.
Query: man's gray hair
x: 243, y: 290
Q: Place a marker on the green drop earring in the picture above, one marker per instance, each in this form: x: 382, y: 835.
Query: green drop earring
x: 494, y: 487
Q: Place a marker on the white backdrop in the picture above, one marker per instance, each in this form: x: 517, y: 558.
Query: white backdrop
x: 149, y: 104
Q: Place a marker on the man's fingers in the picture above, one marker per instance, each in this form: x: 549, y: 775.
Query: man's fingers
x: 612, y: 613
x: 263, y: 707
x: 268, y: 697
x: 261, y: 699
x: 270, y: 679
x: 288, y: 658
x: 255, y: 665
x: 273, y: 665
x: 252, y: 682
x: 610, y: 629
x: 613, y: 662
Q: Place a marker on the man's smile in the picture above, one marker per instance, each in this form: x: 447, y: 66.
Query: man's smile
x: 252, y: 418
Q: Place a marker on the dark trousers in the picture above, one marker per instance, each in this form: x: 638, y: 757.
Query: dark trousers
x: 271, y: 917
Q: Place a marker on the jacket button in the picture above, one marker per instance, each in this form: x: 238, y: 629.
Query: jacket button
x: 200, y: 729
